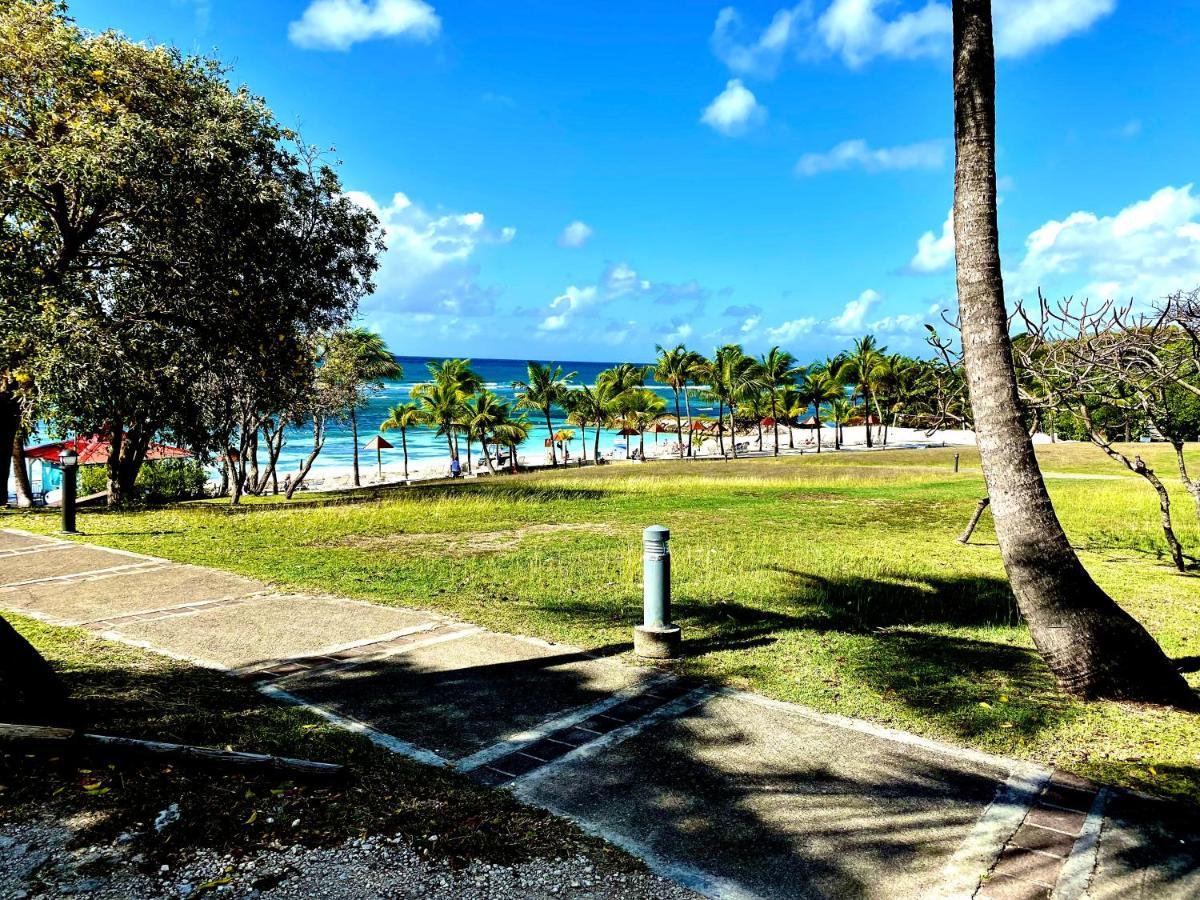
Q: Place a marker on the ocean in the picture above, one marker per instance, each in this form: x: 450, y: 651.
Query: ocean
x: 424, y: 444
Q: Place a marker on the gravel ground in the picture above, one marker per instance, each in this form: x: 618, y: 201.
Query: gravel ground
x: 38, y: 860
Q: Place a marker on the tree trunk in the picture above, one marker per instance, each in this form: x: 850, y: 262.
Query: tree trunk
x: 550, y: 431
x: 732, y: 431
x: 30, y: 690
x: 318, y: 445
x: 1193, y: 487
x: 818, y: 418
x: 354, y: 437
x: 10, y: 426
x: 679, y: 424
x: 20, y: 471
x: 775, y: 421
x: 404, y: 444
x: 866, y: 395
x: 596, y: 446
x: 687, y: 406
x: 721, y: 426
x: 1093, y: 647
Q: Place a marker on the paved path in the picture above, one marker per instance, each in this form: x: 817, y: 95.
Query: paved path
x: 730, y: 794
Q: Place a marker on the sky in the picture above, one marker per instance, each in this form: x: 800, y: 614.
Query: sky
x: 583, y: 181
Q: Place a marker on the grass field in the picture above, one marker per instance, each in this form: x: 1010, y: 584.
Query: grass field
x: 830, y: 580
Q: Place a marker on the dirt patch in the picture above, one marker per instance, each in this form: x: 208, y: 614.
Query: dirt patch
x: 459, y: 543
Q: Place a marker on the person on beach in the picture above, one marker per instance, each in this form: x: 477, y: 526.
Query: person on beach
x: 455, y: 467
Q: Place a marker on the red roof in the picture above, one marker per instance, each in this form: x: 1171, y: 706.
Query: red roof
x: 94, y: 451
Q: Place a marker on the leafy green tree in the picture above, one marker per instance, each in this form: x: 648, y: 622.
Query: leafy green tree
x: 545, y: 387
x: 860, y: 369
x: 359, y: 361
x: 676, y: 367
x: 731, y: 374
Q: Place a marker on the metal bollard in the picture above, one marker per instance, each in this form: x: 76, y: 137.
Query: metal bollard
x: 656, y: 637
x: 955, y: 462
x: 70, y: 468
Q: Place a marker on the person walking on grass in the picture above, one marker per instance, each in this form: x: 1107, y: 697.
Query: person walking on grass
x: 455, y: 467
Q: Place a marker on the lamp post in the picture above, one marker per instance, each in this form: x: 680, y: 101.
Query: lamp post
x: 70, y: 467
x: 656, y: 637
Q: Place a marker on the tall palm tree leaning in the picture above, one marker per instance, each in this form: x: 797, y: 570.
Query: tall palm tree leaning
x: 545, y: 388
x: 817, y: 389
x: 857, y: 369
x: 401, y: 418
x: 359, y: 361
x: 777, y: 369
x: 675, y: 368
x: 1093, y: 647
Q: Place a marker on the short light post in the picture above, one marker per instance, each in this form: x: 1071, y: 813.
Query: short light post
x: 656, y: 637
x: 69, y: 460
x: 955, y: 462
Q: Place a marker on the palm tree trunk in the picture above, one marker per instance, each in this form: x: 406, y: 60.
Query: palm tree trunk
x: 866, y: 395
x: 404, y: 445
x: 679, y: 423
x: 354, y: 436
x: 687, y: 405
x: 732, y: 431
x: 550, y: 431
x: 10, y: 426
x: 1093, y: 647
x: 817, y: 417
x: 775, y: 419
x: 596, y: 447
x: 721, y: 425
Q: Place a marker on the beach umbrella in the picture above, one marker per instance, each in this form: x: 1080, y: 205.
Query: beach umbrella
x: 767, y: 422
x: 810, y: 422
x: 378, y: 444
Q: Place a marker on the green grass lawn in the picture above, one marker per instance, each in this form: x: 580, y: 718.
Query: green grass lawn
x: 830, y: 580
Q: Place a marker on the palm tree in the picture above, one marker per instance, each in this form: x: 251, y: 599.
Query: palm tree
x: 732, y: 374
x: 675, y: 368
x: 359, y: 362
x: 791, y: 407
x: 817, y: 389
x: 579, y: 403
x: 1093, y: 647
x: 858, y: 369
x: 545, y: 388
x: 638, y: 409
x: 441, y: 405
x: 841, y: 411
x: 777, y: 369
x: 483, y: 413
x: 511, y: 434
x: 401, y: 418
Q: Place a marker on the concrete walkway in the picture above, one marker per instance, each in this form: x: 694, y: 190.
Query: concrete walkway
x: 728, y: 793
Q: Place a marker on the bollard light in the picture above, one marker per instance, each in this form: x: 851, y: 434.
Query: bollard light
x: 69, y: 460
x: 656, y: 637
x: 955, y: 462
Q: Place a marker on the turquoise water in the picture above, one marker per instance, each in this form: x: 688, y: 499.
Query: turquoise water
x: 423, y: 444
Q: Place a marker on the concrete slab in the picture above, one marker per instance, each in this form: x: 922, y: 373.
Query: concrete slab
x: 66, y: 560
x: 457, y: 697
x: 1147, y: 849
x: 776, y: 804
x: 12, y: 541
x: 124, y: 593
x: 274, y: 627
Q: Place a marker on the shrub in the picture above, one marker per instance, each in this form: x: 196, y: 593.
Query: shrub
x: 158, y: 481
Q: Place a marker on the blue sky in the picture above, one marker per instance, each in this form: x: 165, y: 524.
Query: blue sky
x: 585, y: 180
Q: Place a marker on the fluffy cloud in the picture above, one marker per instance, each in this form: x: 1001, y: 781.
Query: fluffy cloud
x: 857, y: 153
x: 758, y: 56
x: 853, y: 318
x: 935, y: 252
x: 575, y: 235
x: 792, y: 330
x: 619, y: 286
x: 570, y: 301
x: 858, y: 31
x: 1147, y: 250
x: 427, y: 267
x: 734, y: 111
x: 339, y: 24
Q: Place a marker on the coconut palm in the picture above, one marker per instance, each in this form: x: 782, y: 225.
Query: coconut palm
x: 483, y: 414
x: 402, y: 417
x: 638, y: 409
x: 580, y: 403
x: 731, y: 375
x: 675, y: 368
x: 544, y: 388
x: 511, y: 433
x: 819, y: 388
x: 791, y: 407
x: 777, y: 369
x: 441, y: 405
x: 840, y: 411
x: 859, y: 370
x: 359, y: 362
x: 1093, y: 647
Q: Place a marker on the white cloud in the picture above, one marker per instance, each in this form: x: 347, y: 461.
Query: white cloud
x: 569, y: 302
x: 791, y: 330
x: 935, y: 252
x: 1147, y: 250
x: 760, y: 56
x: 854, y: 315
x: 734, y: 111
x: 857, y: 153
x: 859, y: 31
x: 575, y: 235
x: 623, y: 279
x: 680, y: 333
x: 427, y: 267
x: 339, y: 24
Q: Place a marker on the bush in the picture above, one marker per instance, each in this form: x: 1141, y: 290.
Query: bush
x: 158, y: 481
